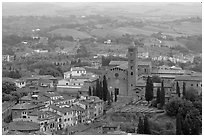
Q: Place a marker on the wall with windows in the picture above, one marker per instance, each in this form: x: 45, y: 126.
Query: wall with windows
x: 197, y: 85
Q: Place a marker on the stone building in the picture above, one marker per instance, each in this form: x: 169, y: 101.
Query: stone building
x: 123, y: 76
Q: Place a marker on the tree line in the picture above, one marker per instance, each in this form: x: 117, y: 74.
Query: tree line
x: 101, y: 90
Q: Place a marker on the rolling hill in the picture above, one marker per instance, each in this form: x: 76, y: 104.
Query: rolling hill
x: 63, y: 32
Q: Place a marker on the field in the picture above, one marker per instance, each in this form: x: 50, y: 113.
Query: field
x: 70, y: 32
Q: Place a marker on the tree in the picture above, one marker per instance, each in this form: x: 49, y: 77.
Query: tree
x: 198, y: 105
x: 146, y: 126
x: 50, y: 71
x: 178, y: 124
x: 149, y: 90
x: 116, y: 97
x: 177, y: 89
x: 156, y: 79
x: 173, y: 106
x: 112, y: 97
x: 97, y: 89
x: 105, y: 88
x: 158, y: 95
x: 191, y: 94
x: 94, y: 91
x: 184, y: 89
x: 140, y: 127
x: 8, y: 87
x: 162, y: 95
x: 185, y: 127
x: 89, y: 91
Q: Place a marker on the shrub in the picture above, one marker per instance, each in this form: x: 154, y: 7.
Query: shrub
x: 172, y: 107
x: 154, y: 103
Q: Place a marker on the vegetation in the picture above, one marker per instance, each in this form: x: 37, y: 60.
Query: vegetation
x: 178, y: 89
x: 149, y: 89
x: 162, y: 95
x: 158, y: 96
x: 143, y: 126
x: 188, y: 115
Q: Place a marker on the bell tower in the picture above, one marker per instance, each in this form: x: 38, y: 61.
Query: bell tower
x: 132, y: 68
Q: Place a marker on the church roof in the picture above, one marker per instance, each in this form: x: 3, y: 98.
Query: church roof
x: 124, y: 64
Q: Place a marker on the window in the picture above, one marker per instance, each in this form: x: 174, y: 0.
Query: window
x: 131, y: 67
x: 131, y: 85
x: 116, y: 75
x: 197, y: 85
x: 131, y: 73
x: 24, y: 116
x: 67, y: 83
x: 77, y: 71
x: 191, y: 84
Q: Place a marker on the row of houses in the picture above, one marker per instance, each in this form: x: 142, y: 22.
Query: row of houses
x: 48, y: 111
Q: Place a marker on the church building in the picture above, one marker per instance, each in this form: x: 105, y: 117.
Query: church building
x: 125, y: 78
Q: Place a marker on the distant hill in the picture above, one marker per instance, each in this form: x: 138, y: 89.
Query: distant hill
x: 63, y: 32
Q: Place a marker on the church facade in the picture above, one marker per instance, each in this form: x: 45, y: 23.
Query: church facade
x: 125, y: 78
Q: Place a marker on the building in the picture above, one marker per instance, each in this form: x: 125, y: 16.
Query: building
x: 20, y: 111
x: 24, y: 126
x: 122, y: 76
x: 48, y: 120
x: 191, y: 81
x: 77, y: 71
x: 8, y: 58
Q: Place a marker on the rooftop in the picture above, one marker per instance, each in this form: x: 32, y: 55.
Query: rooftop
x: 24, y: 126
x: 61, y: 108
x: 188, y: 78
x: 124, y: 64
x: 78, y: 69
x: 25, y: 106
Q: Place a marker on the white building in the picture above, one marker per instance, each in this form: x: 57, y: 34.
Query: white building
x: 77, y: 71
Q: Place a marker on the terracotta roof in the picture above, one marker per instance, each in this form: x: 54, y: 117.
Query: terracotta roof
x: 26, y: 98
x: 170, y: 71
x: 78, y: 69
x: 188, y: 78
x: 6, y: 105
x: 124, y: 64
x: 63, y: 108
x: 78, y: 108
x: 116, y: 63
x: 78, y: 128
x: 24, y: 126
x: 25, y: 106
x: 8, y: 79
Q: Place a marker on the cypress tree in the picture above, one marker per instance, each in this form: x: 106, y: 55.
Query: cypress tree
x: 140, y: 127
x: 146, y: 126
x: 94, y: 91
x: 162, y: 95
x: 178, y: 89
x: 185, y: 127
x: 178, y: 124
x: 158, y: 95
x: 100, y: 94
x: 97, y: 88
x: 105, y: 88
x: 89, y: 91
x: 149, y: 90
x: 184, y: 89
x: 111, y: 96
x: 116, y: 98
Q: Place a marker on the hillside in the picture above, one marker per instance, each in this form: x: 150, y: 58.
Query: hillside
x: 63, y: 32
